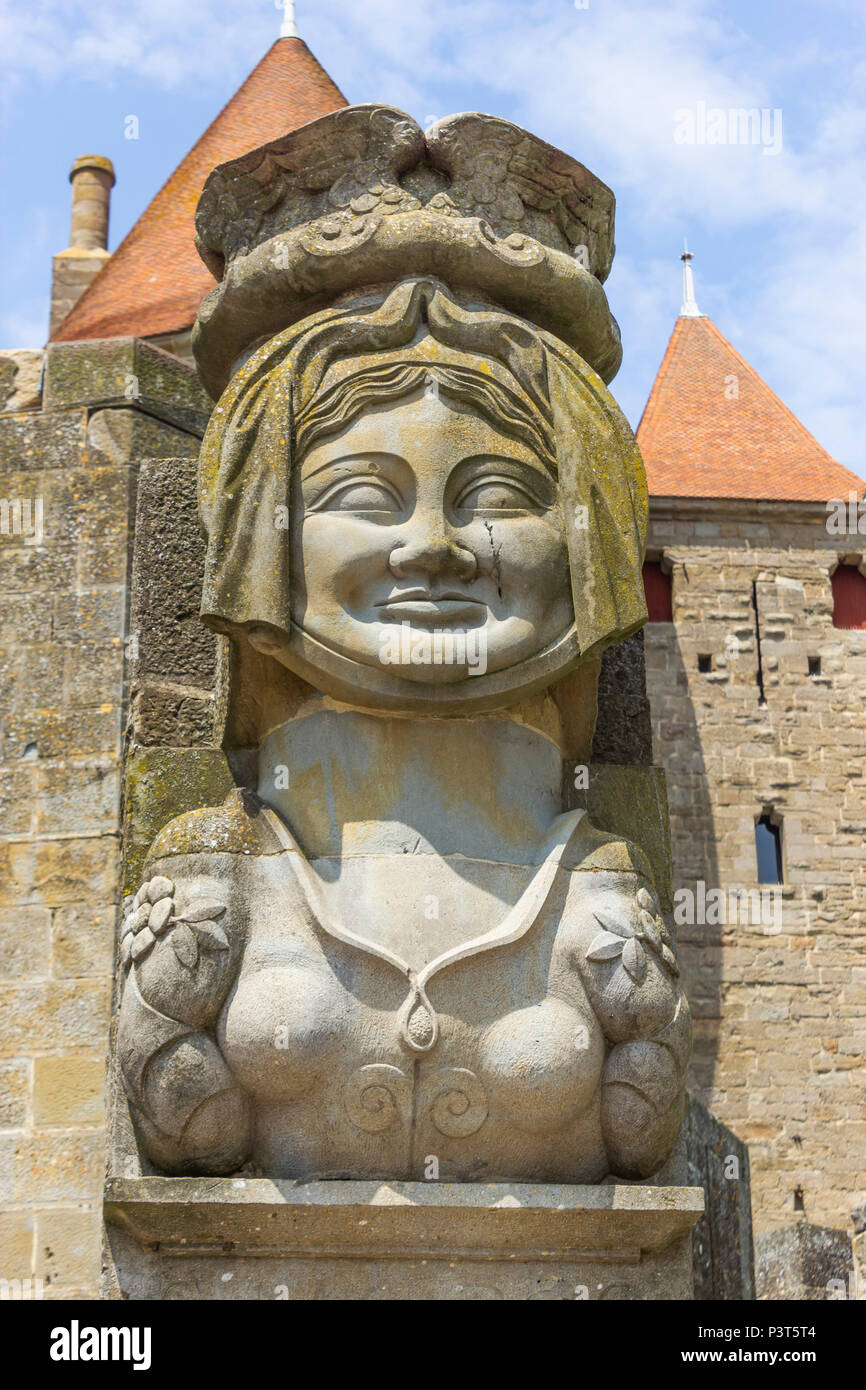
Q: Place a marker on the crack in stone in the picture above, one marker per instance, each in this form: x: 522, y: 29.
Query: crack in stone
x: 488, y: 526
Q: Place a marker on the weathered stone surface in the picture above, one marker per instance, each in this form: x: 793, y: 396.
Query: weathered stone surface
x: 16, y: 783
x: 722, y: 1238
x: 53, y: 1015
x: 50, y: 1166
x: 15, y: 1087
x: 162, y: 783
x: 20, y: 373
x: 166, y: 719
x: 17, y: 1229
x: 623, y: 731
x: 67, y: 1091
x: 779, y: 1006
x: 125, y: 372
x: 39, y: 442
x: 71, y: 273
x: 67, y: 1249
x: 803, y: 1261
x: 482, y: 216
x: 170, y: 642
x: 88, y: 617
x: 25, y: 941
x: 55, y: 733
x: 85, y: 796
x: 631, y: 802
x: 128, y: 436
x: 421, y: 1240
x: 54, y: 873
x: 83, y: 940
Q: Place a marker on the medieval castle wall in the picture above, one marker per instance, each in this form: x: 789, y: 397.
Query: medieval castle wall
x: 68, y: 477
x: 779, y: 1048
x: 779, y: 1002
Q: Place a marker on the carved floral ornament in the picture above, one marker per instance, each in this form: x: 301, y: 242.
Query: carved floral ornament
x: 150, y: 913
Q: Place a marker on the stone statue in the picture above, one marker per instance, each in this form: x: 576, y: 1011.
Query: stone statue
x: 425, y: 519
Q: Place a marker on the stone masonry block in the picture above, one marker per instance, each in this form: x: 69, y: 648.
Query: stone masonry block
x: 20, y: 378
x: 41, y: 441
x: 128, y: 436
x: 25, y: 942
x: 125, y: 372
x: 54, y: 873
x: 52, y: 1166
x: 53, y: 1016
x: 17, y: 1229
x: 67, y: 1247
x: 173, y: 645
x: 67, y: 1091
x: 623, y: 732
x: 82, y: 940
x: 162, y: 783
x: 15, y: 1084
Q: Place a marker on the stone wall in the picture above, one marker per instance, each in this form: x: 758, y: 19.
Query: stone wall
x: 73, y: 459
x: 779, y: 1015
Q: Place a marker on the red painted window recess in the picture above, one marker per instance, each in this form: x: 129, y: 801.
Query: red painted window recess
x: 657, y: 587
x: 849, y: 597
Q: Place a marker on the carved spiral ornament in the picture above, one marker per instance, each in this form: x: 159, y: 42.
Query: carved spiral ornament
x: 375, y: 1097
x: 457, y: 1102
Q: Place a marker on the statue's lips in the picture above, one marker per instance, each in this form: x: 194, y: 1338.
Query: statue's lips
x: 427, y: 608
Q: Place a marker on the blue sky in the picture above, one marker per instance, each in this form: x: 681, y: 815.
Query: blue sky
x: 778, y: 233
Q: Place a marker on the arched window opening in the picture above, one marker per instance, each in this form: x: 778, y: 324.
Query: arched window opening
x: 768, y: 847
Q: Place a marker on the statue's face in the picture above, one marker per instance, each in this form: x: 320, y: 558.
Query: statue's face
x: 428, y: 542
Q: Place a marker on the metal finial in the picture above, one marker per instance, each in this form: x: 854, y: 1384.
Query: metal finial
x: 689, y: 308
x: 288, y: 28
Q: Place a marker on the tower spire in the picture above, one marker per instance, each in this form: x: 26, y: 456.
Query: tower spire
x: 288, y: 28
x: 689, y: 308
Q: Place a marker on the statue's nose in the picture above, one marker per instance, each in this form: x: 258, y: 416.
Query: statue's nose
x: 430, y: 551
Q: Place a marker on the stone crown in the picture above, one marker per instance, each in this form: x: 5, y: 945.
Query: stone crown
x: 363, y: 198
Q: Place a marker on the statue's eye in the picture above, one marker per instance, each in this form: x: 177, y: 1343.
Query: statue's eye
x: 496, y: 495
x: 359, y: 495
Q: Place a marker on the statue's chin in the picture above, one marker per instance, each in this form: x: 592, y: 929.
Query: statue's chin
x: 440, y: 655
x: 480, y: 678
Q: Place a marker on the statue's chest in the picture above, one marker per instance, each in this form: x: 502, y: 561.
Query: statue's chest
x: 499, y: 1036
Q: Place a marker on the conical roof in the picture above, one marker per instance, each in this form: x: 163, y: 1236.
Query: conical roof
x: 155, y: 280
x: 713, y: 428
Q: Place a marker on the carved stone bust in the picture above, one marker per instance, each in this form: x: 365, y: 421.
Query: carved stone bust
x: 425, y: 519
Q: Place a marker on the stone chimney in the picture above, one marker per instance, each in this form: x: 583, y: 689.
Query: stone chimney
x: 92, y: 178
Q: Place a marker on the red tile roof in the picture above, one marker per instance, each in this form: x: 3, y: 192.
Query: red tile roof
x: 700, y: 439
x: 155, y: 280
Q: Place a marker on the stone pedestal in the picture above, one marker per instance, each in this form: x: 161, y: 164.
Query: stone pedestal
x: 236, y: 1238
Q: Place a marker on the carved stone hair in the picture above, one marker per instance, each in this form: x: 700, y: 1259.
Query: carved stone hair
x: 334, y: 408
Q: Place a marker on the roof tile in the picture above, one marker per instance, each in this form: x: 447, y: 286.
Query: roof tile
x: 713, y: 428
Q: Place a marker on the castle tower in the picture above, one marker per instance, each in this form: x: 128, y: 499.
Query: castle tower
x: 756, y: 652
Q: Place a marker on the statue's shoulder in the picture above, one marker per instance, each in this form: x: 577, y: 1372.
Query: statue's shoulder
x: 236, y: 827
x: 593, y: 850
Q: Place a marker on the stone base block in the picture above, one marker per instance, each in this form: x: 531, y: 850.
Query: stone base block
x: 235, y: 1238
